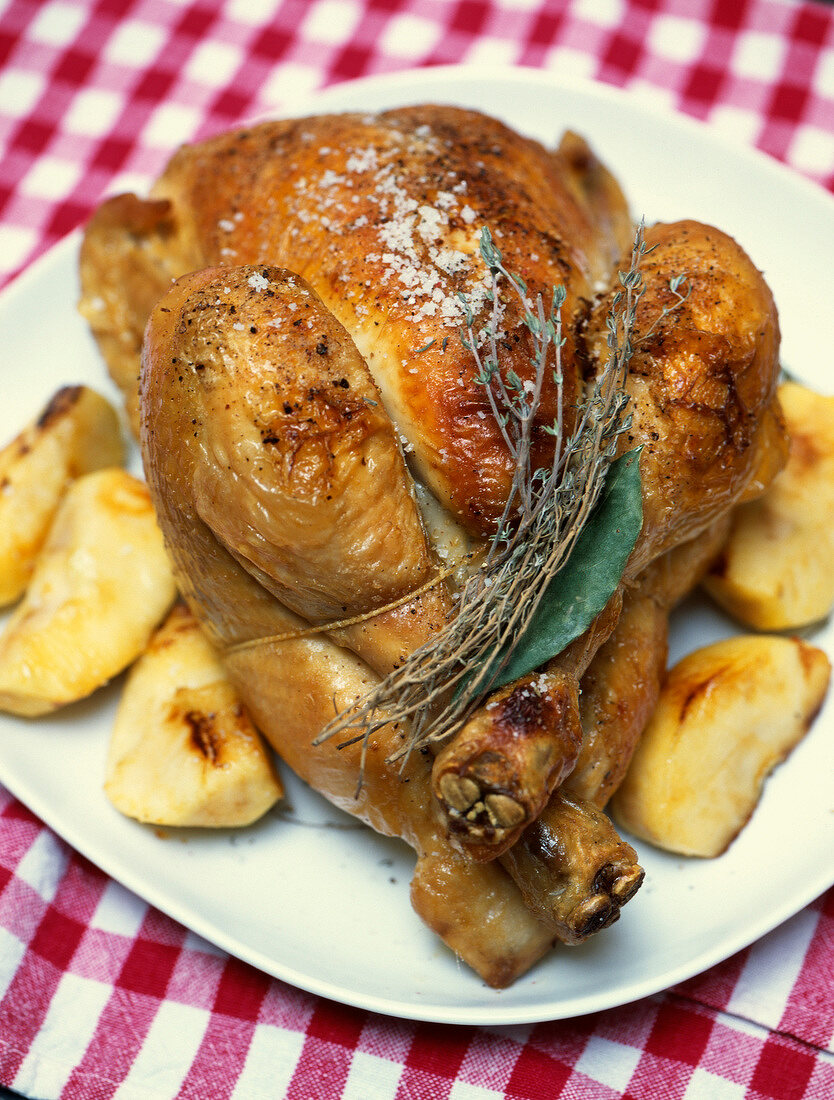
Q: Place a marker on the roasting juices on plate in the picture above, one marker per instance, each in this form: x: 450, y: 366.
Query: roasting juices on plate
x: 436, y: 438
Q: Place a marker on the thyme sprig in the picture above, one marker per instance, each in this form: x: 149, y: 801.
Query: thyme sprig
x: 436, y: 689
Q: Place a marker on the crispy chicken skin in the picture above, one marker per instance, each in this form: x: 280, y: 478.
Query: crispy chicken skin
x: 619, y: 692
x: 381, y: 214
x: 702, y: 382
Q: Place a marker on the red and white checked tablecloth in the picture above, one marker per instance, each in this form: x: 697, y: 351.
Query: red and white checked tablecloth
x: 101, y: 995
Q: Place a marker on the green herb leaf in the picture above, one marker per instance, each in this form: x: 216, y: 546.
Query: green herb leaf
x: 581, y: 589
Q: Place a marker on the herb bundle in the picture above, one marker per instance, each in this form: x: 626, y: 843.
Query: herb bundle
x: 510, y: 615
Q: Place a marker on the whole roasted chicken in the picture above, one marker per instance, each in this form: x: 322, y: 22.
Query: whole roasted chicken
x: 326, y: 465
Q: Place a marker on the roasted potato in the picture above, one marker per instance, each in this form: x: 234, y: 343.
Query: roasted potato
x: 775, y: 572
x: 183, y: 749
x: 727, y: 714
x: 101, y: 584
x: 76, y: 433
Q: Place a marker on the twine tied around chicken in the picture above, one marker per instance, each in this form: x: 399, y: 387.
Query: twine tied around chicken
x: 341, y: 624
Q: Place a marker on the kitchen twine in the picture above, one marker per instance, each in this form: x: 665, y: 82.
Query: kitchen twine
x: 340, y: 624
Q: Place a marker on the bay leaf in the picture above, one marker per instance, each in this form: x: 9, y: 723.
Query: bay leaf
x: 583, y: 586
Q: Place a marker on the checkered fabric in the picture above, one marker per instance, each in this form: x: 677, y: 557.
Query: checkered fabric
x: 100, y: 994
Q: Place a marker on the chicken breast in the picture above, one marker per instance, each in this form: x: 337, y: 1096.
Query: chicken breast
x: 382, y: 215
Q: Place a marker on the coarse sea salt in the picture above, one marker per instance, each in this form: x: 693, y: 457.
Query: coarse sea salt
x: 416, y: 245
x: 364, y: 160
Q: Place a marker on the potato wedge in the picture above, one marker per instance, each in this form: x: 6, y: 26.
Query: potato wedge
x: 727, y: 715
x: 183, y: 749
x: 76, y: 433
x: 775, y: 572
x: 100, y: 586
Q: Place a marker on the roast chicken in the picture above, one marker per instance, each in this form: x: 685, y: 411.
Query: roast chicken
x: 327, y: 469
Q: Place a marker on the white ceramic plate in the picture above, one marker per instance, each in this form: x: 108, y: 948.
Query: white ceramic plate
x: 309, y: 896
